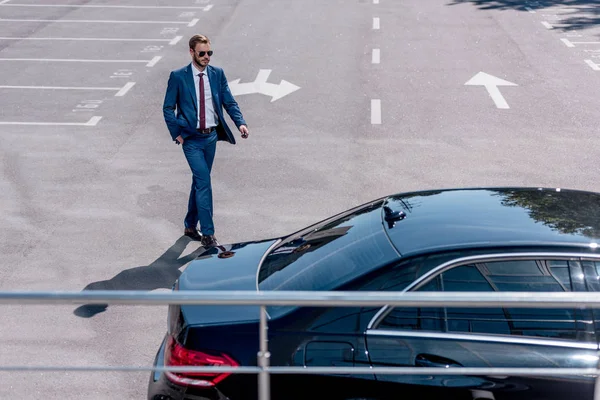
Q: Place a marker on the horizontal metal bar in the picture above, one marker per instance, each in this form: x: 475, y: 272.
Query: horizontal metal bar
x: 308, y: 298
x: 325, y: 370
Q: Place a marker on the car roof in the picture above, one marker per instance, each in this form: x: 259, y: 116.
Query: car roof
x: 448, y: 219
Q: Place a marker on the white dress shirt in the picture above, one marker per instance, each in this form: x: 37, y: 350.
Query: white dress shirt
x: 209, y: 112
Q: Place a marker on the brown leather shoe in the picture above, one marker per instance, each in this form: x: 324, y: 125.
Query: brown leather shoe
x: 192, y: 233
x: 209, y: 241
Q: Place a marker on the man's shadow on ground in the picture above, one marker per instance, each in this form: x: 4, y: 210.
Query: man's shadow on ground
x: 161, y: 274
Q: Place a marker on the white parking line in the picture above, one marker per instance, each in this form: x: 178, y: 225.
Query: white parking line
x: 121, y: 91
x: 376, y: 111
x: 125, y: 89
x: 547, y: 25
x: 100, y: 6
x: 569, y: 43
x: 376, y: 56
x: 375, y: 23
x: 100, y: 21
x: 153, y: 62
x: 530, y: 10
x: 149, y: 63
x: 592, y: 64
x: 173, y: 41
x: 92, y: 122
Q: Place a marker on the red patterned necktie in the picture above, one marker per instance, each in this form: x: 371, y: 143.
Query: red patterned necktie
x: 201, y: 94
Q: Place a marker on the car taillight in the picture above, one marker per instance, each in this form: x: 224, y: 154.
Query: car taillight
x: 178, y: 356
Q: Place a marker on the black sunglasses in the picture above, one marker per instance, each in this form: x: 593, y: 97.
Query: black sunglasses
x: 202, y: 53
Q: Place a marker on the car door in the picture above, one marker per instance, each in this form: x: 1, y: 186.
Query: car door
x: 450, y: 337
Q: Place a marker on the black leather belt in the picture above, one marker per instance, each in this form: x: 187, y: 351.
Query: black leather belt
x: 206, y: 131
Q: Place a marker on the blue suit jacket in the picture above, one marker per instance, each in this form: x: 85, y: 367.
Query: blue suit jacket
x: 180, y: 107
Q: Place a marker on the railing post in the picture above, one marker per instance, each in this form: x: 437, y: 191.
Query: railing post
x: 264, y: 385
x: 597, y: 383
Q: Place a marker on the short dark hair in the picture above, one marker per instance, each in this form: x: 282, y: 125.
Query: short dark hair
x: 194, y: 40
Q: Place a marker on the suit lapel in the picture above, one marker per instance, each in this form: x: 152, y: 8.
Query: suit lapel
x: 189, y: 79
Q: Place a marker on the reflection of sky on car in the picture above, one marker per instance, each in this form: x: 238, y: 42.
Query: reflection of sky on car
x: 322, y: 257
x: 485, y: 217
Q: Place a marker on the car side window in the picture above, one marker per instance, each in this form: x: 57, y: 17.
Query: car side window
x: 591, y: 271
x: 505, y: 276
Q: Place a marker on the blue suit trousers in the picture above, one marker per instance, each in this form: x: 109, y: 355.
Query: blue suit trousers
x: 200, y: 152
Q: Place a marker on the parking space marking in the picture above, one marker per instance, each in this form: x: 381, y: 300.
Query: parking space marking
x: 530, y: 10
x: 92, y: 122
x: 125, y: 89
x: 149, y: 63
x: 376, y: 56
x: 173, y: 41
x: 121, y: 91
x: 3, y: 3
x: 569, y: 43
x: 593, y: 65
x: 100, y: 21
x: 547, y: 25
x: 375, y: 111
x: 153, y: 62
x: 375, y: 23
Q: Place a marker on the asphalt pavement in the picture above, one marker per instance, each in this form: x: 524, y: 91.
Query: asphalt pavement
x: 345, y: 101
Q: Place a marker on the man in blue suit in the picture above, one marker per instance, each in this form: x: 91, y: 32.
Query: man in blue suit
x: 193, y: 111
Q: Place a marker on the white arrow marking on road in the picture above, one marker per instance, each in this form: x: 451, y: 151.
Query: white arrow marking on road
x: 261, y: 86
x: 491, y: 83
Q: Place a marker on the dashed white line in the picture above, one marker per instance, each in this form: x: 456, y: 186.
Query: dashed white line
x: 193, y: 22
x: 593, y: 65
x: 375, y: 1
x: 375, y: 23
x: 375, y: 111
x: 99, y: 21
x: 547, y: 25
x: 125, y: 89
x: 153, y: 62
x: 171, y: 41
x: 376, y: 56
x: 92, y: 122
x: 175, y: 40
x: 99, y: 6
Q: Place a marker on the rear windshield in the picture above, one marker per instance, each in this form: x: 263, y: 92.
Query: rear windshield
x: 330, y: 253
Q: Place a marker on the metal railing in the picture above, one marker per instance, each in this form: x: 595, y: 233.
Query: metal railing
x: 578, y: 300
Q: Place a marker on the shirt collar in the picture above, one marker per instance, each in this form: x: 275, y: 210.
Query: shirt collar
x: 197, y: 71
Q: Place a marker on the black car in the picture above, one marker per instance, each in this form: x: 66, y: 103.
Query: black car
x: 474, y: 239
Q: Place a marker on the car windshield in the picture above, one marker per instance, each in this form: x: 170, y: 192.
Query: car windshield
x: 330, y: 253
